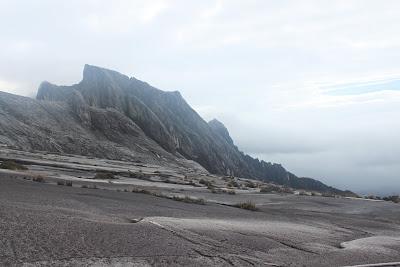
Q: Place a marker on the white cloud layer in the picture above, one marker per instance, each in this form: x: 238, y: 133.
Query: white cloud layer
x: 311, y: 84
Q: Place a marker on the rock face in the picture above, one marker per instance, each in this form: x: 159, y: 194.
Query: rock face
x: 111, y: 115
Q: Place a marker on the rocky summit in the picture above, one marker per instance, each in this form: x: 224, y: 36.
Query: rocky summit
x: 112, y: 116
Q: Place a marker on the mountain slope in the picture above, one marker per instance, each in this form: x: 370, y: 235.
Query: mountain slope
x: 130, y: 117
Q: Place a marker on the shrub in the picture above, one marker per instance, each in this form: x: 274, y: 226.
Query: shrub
x: 138, y: 175
x: 233, y: 183
x: 250, y: 184
x: 206, y: 183
x: 38, y: 179
x: 230, y: 192
x: 270, y: 189
x: 142, y: 191
x: 104, y: 176
x: 328, y: 194
x: 395, y: 199
x: 287, y: 190
x: 247, y: 206
x: 192, y: 183
x: 188, y: 199
x: 12, y: 165
x: 213, y: 190
x: 89, y: 186
x: 276, y: 189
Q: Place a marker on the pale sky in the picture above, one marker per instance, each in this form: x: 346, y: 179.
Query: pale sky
x: 314, y: 85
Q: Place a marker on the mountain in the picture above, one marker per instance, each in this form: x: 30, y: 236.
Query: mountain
x: 110, y: 115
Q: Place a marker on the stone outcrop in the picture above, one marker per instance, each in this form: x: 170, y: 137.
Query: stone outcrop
x: 113, y: 116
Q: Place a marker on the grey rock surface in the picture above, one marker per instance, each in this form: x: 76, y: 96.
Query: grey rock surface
x: 43, y: 224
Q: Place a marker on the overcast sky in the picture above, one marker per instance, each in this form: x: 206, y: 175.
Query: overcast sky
x: 314, y: 85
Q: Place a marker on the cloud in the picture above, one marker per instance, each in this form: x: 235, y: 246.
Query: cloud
x: 367, y: 87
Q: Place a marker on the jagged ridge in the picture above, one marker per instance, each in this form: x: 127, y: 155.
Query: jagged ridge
x: 106, y: 104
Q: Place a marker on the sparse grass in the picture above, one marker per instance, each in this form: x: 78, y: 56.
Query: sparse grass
x: 192, y: 183
x: 185, y: 199
x: 139, y: 175
x: 188, y: 199
x: 89, y: 186
x: 141, y: 191
x: 12, y: 165
x: 250, y: 184
x: 276, y: 189
x: 104, y: 176
x: 232, y: 183
x: 247, y: 206
x: 222, y: 191
x: 328, y: 194
x: 230, y: 192
x: 394, y: 199
x: 38, y: 179
x: 206, y: 183
x: 213, y: 190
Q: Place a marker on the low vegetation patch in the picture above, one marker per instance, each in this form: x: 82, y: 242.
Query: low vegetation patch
x: 395, y: 199
x: 328, y: 194
x: 247, y: 206
x: 38, y: 179
x: 250, y: 184
x: 233, y: 183
x: 276, y: 189
x: 66, y: 183
x: 142, y: 191
x: 12, y: 165
x: 88, y: 186
x: 229, y: 192
x: 222, y: 191
x: 206, y: 183
x: 188, y: 199
x: 104, y: 176
x: 139, y: 175
x: 185, y: 199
